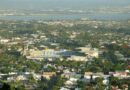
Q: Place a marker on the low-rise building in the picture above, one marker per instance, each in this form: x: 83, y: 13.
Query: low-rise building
x: 78, y: 58
x: 47, y: 53
x: 89, y: 51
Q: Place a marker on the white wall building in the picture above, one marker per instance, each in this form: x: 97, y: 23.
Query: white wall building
x: 78, y: 58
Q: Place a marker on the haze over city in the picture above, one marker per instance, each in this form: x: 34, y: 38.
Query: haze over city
x: 53, y: 4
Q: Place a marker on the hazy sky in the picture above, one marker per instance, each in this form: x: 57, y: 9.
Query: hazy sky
x: 50, y: 4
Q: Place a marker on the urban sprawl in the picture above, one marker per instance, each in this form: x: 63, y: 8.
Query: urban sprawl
x: 64, y: 55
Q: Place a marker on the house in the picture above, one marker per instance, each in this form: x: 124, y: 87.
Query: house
x: 21, y: 78
x: 70, y: 84
x: 63, y: 88
x: 114, y: 88
x: 78, y: 89
x: 9, y: 79
x: 37, y: 76
x: 120, y: 74
x: 68, y: 74
x: 89, y: 51
x: 27, y: 73
x: 48, y: 75
x: 105, y: 82
x: 88, y: 76
x: 4, y: 41
x: 12, y: 73
x: 125, y: 86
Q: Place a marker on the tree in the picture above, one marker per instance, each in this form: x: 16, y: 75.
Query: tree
x: 6, y: 86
